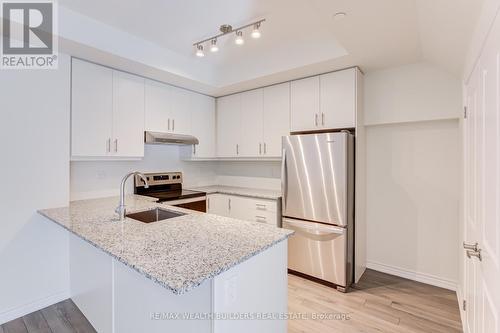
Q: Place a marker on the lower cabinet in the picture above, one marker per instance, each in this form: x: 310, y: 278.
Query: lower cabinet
x: 244, y: 208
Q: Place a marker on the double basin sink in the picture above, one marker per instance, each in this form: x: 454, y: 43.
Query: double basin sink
x: 154, y: 215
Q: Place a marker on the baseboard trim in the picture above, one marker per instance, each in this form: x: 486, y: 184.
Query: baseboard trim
x: 412, y: 275
x: 19, y: 311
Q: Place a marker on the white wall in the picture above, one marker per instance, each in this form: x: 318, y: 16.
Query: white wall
x: 414, y: 92
x: 34, y: 141
x: 413, y: 172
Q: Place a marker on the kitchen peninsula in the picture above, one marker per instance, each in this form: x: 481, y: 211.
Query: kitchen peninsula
x: 195, y: 272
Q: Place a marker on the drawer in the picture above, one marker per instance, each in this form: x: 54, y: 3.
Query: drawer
x: 264, y: 217
x: 264, y: 205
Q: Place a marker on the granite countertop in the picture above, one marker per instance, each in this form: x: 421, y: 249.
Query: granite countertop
x: 179, y: 253
x: 243, y: 191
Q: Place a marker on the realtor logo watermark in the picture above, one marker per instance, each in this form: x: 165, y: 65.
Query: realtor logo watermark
x: 28, y: 39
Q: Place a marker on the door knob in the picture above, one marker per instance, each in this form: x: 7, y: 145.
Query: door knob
x: 476, y: 254
x: 473, y: 247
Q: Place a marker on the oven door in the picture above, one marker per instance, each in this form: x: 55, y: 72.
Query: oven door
x: 197, y: 203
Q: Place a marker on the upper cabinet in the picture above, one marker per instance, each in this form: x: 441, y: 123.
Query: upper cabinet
x: 203, y: 126
x: 228, y: 125
x: 250, y: 144
x: 324, y: 102
x: 251, y: 124
x: 107, y: 113
x: 304, y: 104
x: 276, y: 118
x: 338, y: 99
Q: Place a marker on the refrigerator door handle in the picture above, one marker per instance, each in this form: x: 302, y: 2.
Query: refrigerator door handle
x: 313, y: 230
x: 284, y: 185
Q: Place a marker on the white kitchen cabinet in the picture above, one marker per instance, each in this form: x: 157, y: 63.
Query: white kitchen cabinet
x: 180, y: 107
x: 167, y: 108
x: 276, y: 118
x: 338, y: 99
x: 203, y: 126
x: 228, y: 125
x: 304, y: 104
x: 251, y: 143
x: 243, y: 208
x: 128, y: 115
x: 91, y: 109
x: 218, y: 204
x: 157, y: 106
x: 107, y: 113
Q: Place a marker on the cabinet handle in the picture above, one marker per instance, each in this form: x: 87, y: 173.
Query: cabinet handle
x: 260, y: 148
x: 194, y: 149
x: 261, y: 207
x: 265, y: 149
x: 173, y: 125
x: 229, y: 203
x: 237, y: 149
x: 108, y: 145
x: 322, y: 118
x: 169, y: 124
x: 208, y: 203
x: 116, y: 145
x: 260, y: 219
x: 316, y: 119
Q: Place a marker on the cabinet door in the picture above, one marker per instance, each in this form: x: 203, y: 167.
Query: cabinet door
x: 304, y: 104
x: 203, y: 125
x: 128, y: 115
x: 251, y: 124
x: 157, y: 106
x: 91, y: 109
x: 228, y: 125
x: 338, y: 99
x: 276, y: 118
x: 239, y: 208
x: 180, y: 110
x: 218, y: 204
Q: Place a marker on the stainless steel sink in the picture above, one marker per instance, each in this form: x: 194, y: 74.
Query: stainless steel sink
x: 154, y: 215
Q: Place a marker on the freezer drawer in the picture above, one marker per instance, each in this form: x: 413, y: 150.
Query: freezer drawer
x: 320, y: 251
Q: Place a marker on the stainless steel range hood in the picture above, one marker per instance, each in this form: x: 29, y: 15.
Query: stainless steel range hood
x: 161, y: 138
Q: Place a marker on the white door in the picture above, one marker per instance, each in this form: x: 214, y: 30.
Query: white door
x: 482, y: 190
x: 91, y: 109
x: 276, y: 118
x: 338, y: 99
x: 128, y: 115
x: 228, y: 125
x: 304, y: 104
x: 218, y: 204
x: 157, y: 106
x: 251, y: 144
x: 203, y: 125
x: 180, y: 110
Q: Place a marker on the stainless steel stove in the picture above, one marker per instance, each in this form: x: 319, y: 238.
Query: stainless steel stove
x: 167, y: 188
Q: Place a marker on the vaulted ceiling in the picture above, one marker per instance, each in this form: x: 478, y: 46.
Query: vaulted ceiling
x: 299, y: 37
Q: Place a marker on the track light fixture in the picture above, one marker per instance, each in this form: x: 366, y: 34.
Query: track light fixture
x: 239, y: 38
x: 199, y: 51
x: 213, y: 45
x: 226, y: 29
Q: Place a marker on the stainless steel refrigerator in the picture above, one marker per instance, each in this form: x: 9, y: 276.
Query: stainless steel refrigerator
x: 318, y: 203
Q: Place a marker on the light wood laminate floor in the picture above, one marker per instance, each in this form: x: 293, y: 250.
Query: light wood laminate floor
x: 379, y: 303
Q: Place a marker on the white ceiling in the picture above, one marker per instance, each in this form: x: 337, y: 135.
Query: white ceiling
x: 299, y: 37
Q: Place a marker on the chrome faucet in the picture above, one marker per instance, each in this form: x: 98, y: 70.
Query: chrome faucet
x: 121, y: 208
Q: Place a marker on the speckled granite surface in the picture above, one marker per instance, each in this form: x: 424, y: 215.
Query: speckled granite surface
x: 243, y: 191
x: 178, y: 253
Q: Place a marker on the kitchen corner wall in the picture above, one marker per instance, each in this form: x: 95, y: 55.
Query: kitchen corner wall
x: 34, y: 141
x: 413, y: 172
